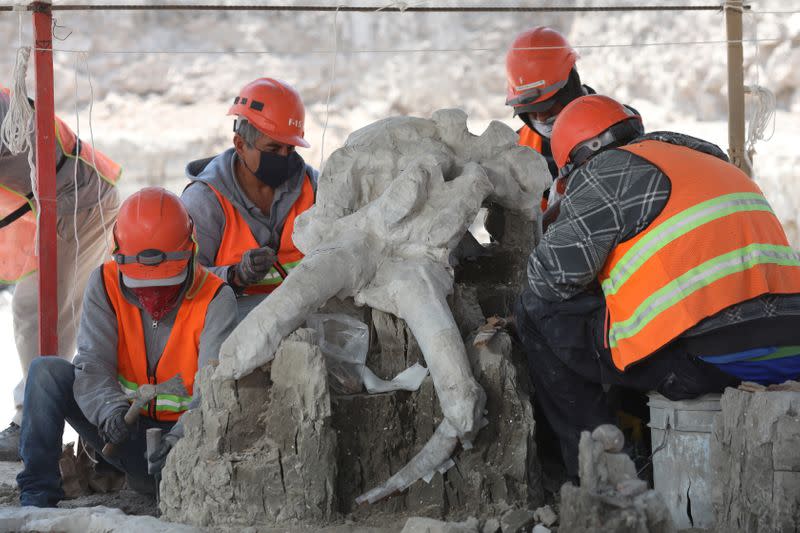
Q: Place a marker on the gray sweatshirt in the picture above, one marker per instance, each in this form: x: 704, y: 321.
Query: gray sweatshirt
x: 96, y: 388
x: 15, y: 174
x: 209, y: 219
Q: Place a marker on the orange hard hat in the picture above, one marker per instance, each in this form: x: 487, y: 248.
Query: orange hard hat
x: 588, y: 124
x: 538, y: 65
x: 274, y: 108
x: 153, y: 239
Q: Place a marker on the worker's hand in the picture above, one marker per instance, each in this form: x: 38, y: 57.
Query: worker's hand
x: 114, y: 429
x: 158, y: 458
x: 254, y: 266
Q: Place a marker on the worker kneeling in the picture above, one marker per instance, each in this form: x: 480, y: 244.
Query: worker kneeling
x: 151, y: 314
x: 665, y: 270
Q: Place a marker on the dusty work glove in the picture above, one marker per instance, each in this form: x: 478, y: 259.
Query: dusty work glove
x: 254, y: 266
x: 158, y: 458
x: 114, y: 429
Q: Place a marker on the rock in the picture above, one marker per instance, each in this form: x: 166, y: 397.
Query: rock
x: 545, y: 515
x: 755, y: 461
x: 790, y: 386
x: 260, y: 450
x: 586, y: 512
x: 610, y: 436
x: 492, y: 525
x: 244, y: 438
x: 517, y: 520
x: 598, y: 468
x: 84, y: 520
x: 379, y: 433
x: 539, y: 528
x: 632, y: 487
x: 429, y: 525
x: 611, y: 497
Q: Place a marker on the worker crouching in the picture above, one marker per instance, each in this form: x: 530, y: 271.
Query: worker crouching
x: 665, y: 270
x: 152, y: 316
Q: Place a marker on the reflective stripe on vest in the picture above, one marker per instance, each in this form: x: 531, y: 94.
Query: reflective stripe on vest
x: 237, y: 238
x: 102, y: 164
x: 715, y: 244
x: 181, y: 351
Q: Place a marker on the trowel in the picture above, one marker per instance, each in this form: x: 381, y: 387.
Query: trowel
x: 144, y: 395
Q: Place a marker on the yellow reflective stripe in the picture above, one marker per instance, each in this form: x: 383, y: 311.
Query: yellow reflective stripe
x: 273, y: 277
x: 675, y: 227
x: 127, y: 385
x: 164, y: 402
x: 695, y: 279
x: 22, y: 197
x: 169, y: 402
x: 68, y: 155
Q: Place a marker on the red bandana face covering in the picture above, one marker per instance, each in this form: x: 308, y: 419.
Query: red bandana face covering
x: 158, y: 301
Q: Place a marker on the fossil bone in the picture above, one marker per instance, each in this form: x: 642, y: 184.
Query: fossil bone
x: 392, y: 205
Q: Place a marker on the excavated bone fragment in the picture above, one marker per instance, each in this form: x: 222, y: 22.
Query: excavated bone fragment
x: 392, y: 205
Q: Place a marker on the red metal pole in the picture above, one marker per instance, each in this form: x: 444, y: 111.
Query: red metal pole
x: 46, y: 177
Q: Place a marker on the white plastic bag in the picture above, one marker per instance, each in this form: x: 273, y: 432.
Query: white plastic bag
x: 344, y: 342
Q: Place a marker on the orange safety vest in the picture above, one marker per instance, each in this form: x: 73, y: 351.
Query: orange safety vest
x: 238, y: 238
x: 181, y: 352
x: 528, y: 137
x: 17, y: 250
x: 715, y: 244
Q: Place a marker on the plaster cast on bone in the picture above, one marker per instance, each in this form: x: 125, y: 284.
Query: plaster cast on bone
x: 392, y: 204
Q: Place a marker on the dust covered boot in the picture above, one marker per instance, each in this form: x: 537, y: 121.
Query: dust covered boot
x: 9, y: 443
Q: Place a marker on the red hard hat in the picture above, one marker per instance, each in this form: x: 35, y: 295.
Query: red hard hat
x: 274, y: 108
x: 153, y: 238
x: 586, y: 119
x: 537, y: 66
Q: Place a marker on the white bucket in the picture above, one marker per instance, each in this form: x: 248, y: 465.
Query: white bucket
x: 681, y: 472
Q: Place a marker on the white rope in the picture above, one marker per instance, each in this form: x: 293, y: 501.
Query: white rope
x: 75, y: 198
x: 17, y: 129
x: 330, y: 86
x: 762, y: 107
x: 762, y: 113
x: 94, y: 159
x: 411, y: 50
x: 19, y: 29
x: 773, y: 12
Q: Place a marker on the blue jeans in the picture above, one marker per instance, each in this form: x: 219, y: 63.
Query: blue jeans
x: 49, y: 402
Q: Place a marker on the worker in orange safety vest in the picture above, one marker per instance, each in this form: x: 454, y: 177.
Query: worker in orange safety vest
x: 666, y: 269
x: 245, y: 200
x: 150, y: 314
x: 86, y: 207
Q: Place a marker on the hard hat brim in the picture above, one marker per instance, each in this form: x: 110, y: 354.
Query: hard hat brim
x: 167, y: 273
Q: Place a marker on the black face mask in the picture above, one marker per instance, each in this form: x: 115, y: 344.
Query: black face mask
x: 275, y: 169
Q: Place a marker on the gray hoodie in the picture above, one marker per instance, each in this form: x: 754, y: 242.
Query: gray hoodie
x: 15, y: 174
x: 96, y: 389
x: 209, y: 219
